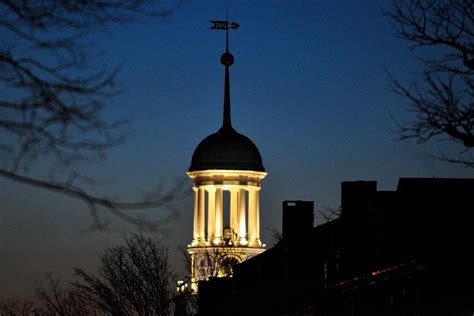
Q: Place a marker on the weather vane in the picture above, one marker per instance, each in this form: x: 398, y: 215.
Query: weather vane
x: 225, y: 26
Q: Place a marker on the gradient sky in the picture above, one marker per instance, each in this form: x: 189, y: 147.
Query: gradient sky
x: 307, y: 87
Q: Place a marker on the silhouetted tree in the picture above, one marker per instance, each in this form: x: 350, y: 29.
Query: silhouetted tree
x: 277, y: 235
x: 328, y: 213
x: 134, y: 279
x: 55, y: 299
x: 54, y: 97
x: 212, y: 261
x: 442, y: 99
x: 17, y: 308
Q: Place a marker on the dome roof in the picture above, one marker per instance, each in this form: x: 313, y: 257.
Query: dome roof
x: 226, y: 149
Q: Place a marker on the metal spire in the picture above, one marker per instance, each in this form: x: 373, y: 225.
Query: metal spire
x: 227, y: 59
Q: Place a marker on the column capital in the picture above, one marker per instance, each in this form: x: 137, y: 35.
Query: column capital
x: 234, y: 188
x: 252, y: 188
x: 211, y: 189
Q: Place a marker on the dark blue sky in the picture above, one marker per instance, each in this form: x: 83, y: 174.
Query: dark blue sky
x: 307, y: 87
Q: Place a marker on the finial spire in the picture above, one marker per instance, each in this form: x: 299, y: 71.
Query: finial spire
x: 227, y: 59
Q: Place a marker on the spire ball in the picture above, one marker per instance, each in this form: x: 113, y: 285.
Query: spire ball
x: 227, y: 59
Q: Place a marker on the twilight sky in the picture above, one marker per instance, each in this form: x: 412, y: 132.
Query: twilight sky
x: 307, y: 87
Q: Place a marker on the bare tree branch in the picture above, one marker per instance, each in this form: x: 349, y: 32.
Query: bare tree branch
x: 166, y: 200
x: 275, y: 233
x: 134, y: 279
x: 57, y: 300
x: 56, y: 96
x: 17, y: 307
x: 442, y: 100
x: 329, y: 213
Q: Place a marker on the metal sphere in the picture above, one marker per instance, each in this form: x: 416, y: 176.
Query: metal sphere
x: 227, y: 59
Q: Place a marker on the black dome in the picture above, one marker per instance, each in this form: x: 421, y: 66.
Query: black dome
x: 226, y: 149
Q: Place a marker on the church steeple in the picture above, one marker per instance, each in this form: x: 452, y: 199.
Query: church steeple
x: 225, y: 165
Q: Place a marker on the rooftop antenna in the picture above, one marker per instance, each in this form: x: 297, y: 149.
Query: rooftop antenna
x: 227, y: 59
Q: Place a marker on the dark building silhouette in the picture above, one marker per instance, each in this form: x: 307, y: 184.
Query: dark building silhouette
x: 403, y: 252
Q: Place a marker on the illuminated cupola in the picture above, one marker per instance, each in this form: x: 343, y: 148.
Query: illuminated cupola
x: 227, y: 170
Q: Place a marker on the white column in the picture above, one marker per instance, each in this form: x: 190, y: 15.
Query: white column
x: 253, y: 218
x: 211, y: 213
x: 219, y: 217
x: 242, y: 224
x: 257, y: 217
x: 202, y: 215
x: 234, y: 209
x: 196, y: 216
